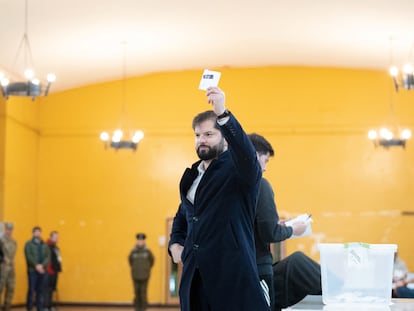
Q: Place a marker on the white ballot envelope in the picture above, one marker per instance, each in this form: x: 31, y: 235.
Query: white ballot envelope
x: 307, y: 219
x: 209, y: 78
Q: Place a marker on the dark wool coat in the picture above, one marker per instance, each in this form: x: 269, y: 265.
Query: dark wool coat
x: 267, y: 229
x: 217, y: 231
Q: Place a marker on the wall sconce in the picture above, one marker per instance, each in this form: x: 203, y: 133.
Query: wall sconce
x: 386, y: 138
x: 32, y: 86
x: 118, y: 139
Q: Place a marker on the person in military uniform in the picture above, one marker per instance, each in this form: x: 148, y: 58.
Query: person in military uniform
x: 141, y: 261
x: 8, y: 276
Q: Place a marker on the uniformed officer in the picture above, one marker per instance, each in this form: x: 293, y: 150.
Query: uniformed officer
x: 141, y: 261
x: 8, y: 276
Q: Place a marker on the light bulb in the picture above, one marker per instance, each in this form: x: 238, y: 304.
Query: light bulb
x: 51, y: 78
x: 104, y: 136
x: 372, y: 134
x: 35, y: 81
x: 5, y: 82
x: 116, y: 139
x: 118, y: 133
x: 117, y: 136
x: 394, y: 71
x: 405, y: 134
x: 137, y: 136
x: 29, y: 74
x: 386, y: 134
x: 408, y: 68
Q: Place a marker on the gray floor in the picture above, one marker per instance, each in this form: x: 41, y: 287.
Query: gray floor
x: 311, y: 303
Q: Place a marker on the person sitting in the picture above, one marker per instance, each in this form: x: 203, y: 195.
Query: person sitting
x: 402, y: 285
x: 295, y: 277
x: 404, y: 288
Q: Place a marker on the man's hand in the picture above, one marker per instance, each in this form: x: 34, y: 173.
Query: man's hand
x: 40, y: 269
x: 299, y: 227
x: 216, y: 98
x: 176, y: 251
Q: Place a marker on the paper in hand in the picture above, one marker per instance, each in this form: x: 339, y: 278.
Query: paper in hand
x: 307, y: 219
x: 209, y: 78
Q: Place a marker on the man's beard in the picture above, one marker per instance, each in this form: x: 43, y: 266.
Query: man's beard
x: 210, y: 153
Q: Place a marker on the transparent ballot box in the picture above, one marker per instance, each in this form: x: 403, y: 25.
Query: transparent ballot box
x: 356, y: 273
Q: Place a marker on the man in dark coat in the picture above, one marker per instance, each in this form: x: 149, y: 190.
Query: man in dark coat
x: 267, y: 226
x: 212, y: 233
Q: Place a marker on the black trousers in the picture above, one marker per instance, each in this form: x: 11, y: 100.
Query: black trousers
x: 268, y: 278
x: 295, y: 277
x: 35, y: 290
x: 50, y: 284
x: 198, y: 298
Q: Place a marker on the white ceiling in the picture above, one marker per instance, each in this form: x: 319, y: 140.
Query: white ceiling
x: 80, y: 40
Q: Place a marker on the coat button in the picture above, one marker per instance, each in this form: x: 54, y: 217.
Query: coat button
x: 196, y: 246
x: 195, y: 218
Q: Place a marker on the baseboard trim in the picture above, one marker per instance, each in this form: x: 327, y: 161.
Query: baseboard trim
x: 105, y: 305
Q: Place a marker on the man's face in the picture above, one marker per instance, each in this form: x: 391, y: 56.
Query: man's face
x: 263, y: 159
x: 37, y: 234
x: 9, y: 232
x: 54, y: 237
x: 209, y: 140
x: 140, y: 242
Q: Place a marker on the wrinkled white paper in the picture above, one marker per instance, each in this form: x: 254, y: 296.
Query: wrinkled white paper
x: 307, y: 219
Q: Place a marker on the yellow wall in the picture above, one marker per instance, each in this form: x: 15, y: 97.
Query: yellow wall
x: 20, y: 180
x: 316, y: 118
x: 2, y: 151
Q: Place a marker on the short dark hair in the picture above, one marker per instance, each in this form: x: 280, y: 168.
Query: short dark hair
x: 261, y: 145
x: 36, y: 228
x: 204, y: 116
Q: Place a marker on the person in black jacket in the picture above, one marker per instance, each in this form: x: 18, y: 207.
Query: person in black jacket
x: 53, y: 269
x: 267, y: 226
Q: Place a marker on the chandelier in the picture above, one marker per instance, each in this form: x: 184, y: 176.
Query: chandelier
x: 121, y: 138
x: 31, y: 86
x: 403, y: 77
x: 390, y: 136
x: 395, y: 135
x: 385, y: 137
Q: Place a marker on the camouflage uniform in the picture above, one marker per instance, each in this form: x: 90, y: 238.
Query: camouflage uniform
x: 8, y: 276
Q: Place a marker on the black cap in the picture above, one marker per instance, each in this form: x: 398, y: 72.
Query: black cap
x: 141, y: 236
